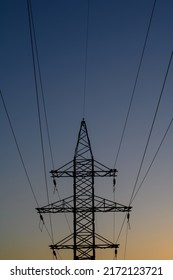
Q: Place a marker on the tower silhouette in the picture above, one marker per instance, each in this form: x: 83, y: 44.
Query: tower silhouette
x: 83, y: 203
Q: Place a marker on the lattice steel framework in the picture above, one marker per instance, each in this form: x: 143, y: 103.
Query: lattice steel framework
x: 84, y: 203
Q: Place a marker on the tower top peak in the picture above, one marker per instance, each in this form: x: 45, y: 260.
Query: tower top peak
x: 83, y: 146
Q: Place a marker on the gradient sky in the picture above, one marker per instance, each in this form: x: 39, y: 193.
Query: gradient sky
x: 117, y: 31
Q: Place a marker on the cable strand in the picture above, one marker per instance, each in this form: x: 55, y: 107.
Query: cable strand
x: 130, y: 105
x: 86, y: 59
x: 151, y: 129
x: 156, y: 153
x: 135, y: 83
x: 145, y: 150
x: 35, y: 62
x: 18, y: 149
x: 21, y: 156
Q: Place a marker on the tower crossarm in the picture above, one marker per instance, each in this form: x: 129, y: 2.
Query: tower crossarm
x: 101, y: 243
x: 64, y: 171
x: 61, y: 206
x: 106, y: 205
x: 101, y: 205
x: 100, y: 170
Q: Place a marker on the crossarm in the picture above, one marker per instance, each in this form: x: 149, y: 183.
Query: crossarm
x: 100, y: 170
x: 100, y: 205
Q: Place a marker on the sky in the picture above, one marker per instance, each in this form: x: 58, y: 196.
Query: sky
x: 116, y: 34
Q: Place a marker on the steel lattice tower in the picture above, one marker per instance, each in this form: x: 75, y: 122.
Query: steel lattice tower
x: 83, y: 203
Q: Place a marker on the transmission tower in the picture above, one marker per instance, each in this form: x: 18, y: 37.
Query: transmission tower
x: 83, y: 203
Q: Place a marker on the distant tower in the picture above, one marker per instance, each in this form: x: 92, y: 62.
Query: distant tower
x: 84, y: 203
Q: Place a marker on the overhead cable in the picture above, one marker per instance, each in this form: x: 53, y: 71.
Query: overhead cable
x: 151, y: 129
x: 156, y: 153
x: 129, y: 109
x: 21, y: 157
x: 18, y: 149
x: 41, y: 85
x: 35, y: 66
x: 145, y: 150
x: 86, y: 58
x: 135, y: 83
x: 125, y: 248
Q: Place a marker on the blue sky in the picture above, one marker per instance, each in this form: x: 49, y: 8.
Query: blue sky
x: 117, y: 31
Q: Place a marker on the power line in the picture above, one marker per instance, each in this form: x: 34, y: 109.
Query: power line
x: 157, y: 151
x: 135, y: 83
x: 86, y: 58
x: 18, y: 149
x: 121, y: 228
x: 21, y: 158
x: 41, y: 86
x: 126, y: 239
x: 36, y: 63
x: 129, y: 109
x: 151, y: 129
